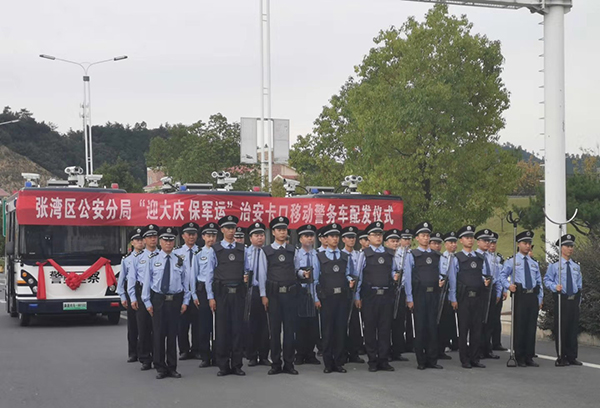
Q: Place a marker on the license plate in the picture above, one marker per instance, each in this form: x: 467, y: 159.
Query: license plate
x: 74, y: 305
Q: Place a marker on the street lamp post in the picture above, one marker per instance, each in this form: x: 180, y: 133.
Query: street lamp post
x: 9, y: 122
x: 87, y: 105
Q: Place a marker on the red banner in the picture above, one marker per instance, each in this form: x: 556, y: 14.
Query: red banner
x: 46, y: 207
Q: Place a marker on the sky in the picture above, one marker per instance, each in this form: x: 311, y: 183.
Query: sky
x: 188, y: 59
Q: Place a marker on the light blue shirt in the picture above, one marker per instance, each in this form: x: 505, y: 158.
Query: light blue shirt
x: 189, y: 255
x: 361, y: 266
x: 200, y: 269
x: 534, y: 270
x: 329, y: 254
x: 409, y: 264
x: 551, y: 277
x: 454, y: 267
x: 252, y: 260
x: 178, y: 281
x: 137, y: 274
x: 353, y: 257
x: 212, y: 263
x: 129, y: 263
x: 263, y: 266
x: 400, y: 257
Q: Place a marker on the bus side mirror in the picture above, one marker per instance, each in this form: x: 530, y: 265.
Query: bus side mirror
x: 10, y: 248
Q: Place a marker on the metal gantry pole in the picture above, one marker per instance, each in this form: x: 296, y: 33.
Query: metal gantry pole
x: 266, y: 143
x: 270, y: 119
x: 262, y: 94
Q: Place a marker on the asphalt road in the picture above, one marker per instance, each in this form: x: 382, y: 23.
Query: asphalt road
x: 81, y: 362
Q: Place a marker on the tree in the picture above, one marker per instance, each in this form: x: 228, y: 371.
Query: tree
x: 119, y: 173
x: 421, y: 119
x: 531, y: 176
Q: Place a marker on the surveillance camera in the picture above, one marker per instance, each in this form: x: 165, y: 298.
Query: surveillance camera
x: 74, y: 171
x: 166, y: 180
x: 30, y: 176
x: 214, y: 174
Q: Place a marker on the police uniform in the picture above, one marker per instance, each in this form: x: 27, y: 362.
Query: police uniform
x: 422, y: 270
x: 135, y: 283
x: 495, y: 307
x: 205, y: 316
x: 307, y: 328
x: 280, y: 285
x: 447, y: 327
x: 189, y: 319
x: 166, y: 289
x: 467, y: 289
x: 528, y: 298
x: 402, y: 338
x: 496, y: 314
x: 128, y: 264
x: 376, y: 267
x: 240, y: 233
x: 257, y: 345
x: 333, y: 292
x: 571, y: 281
x: 354, y: 340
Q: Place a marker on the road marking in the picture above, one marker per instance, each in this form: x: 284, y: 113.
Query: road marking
x: 553, y: 358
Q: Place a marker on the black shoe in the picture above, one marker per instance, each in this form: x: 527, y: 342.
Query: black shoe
x: 399, y: 358
x: 340, y: 369
x: 575, y: 362
x: 238, y: 371
x: 185, y: 356
x: 222, y: 373
x: 386, y: 367
x: 299, y: 360
x: 535, y: 356
x: 467, y: 365
x: 561, y: 362
x: 421, y: 367
x: 372, y: 368
x: 197, y: 356
x: 173, y: 374
x: 290, y: 370
x: 357, y: 360
x: 492, y: 356
x: 444, y: 356
x: 531, y: 363
x: 252, y: 363
x: 436, y: 366
x: 204, y: 364
x: 327, y: 370
x: 274, y: 370
x: 477, y: 364
x: 312, y: 360
x: 146, y: 367
x: 264, y: 362
x: 521, y: 364
x: 132, y: 359
x: 499, y: 348
x: 160, y: 376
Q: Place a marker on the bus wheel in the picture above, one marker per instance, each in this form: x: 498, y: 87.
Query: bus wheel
x: 114, y: 318
x: 24, y: 319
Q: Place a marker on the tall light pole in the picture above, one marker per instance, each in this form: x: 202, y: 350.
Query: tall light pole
x: 265, y: 91
x: 9, y: 122
x: 87, y: 105
x: 554, y: 99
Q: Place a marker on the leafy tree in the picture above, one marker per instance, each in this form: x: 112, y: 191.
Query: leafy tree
x: 531, y: 176
x: 119, y: 173
x: 421, y: 119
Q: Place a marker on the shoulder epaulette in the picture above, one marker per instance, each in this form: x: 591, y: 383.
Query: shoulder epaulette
x: 152, y: 255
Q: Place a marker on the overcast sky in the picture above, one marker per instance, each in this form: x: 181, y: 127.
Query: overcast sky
x: 189, y: 59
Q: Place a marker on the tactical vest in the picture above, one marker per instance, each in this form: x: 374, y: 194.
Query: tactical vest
x: 280, y: 264
x: 470, y: 270
x: 230, y: 266
x: 333, y: 272
x: 378, y: 267
x: 426, y: 269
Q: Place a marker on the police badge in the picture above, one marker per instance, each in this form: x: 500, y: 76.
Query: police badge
x: 336, y: 268
x: 473, y: 264
x: 381, y: 260
x: 428, y: 261
x: 281, y: 258
x: 231, y: 257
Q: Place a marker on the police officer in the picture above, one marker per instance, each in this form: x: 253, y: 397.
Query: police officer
x: 334, y: 281
x: 257, y: 346
x: 189, y: 249
x: 129, y: 264
x: 435, y: 241
x: 447, y: 327
x: 375, y: 296
x: 484, y: 241
x: 496, y: 313
x: 200, y: 297
x: 307, y: 329
x: 225, y: 289
x: 569, y: 287
x: 240, y: 235
x: 526, y: 287
x: 279, y: 291
x: 363, y: 239
x: 422, y: 270
x: 166, y: 295
x: 322, y: 241
x: 135, y: 282
x: 354, y: 340
x: 467, y: 296
x: 402, y: 324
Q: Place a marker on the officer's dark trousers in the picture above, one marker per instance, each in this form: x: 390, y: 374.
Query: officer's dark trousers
x: 526, y: 315
x: 257, y: 331
x: 497, y: 325
x: 377, y: 313
x: 166, y: 326
x: 132, y: 329
x: 490, y: 326
x: 307, y: 336
x: 470, y: 313
x: 144, y: 324
x: 447, y: 328
x: 283, y: 311
x: 334, y: 318
x: 399, y: 327
x: 354, y: 340
x: 188, y: 320
x: 204, y: 323
x: 425, y: 309
x: 230, y: 326
x: 408, y: 330
x: 569, y: 325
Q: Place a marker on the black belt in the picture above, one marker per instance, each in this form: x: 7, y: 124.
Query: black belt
x: 380, y: 291
x: 168, y: 298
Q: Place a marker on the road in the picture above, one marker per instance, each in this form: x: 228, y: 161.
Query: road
x: 80, y: 362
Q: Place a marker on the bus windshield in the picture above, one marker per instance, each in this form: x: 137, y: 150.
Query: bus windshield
x: 62, y: 241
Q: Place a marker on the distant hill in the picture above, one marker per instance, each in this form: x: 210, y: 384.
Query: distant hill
x: 12, y: 165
